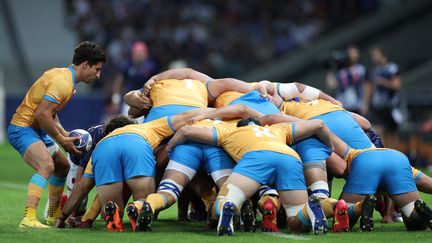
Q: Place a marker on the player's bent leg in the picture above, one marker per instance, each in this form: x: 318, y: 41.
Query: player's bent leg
x: 360, y: 206
x: 140, y: 187
x: 416, y: 213
x: 231, y: 196
x: 37, y: 156
x: 111, y: 198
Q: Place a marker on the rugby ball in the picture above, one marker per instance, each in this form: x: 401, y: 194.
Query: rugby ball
x: 85, y: 142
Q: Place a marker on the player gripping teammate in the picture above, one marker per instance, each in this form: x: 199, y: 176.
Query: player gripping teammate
x: 35, y: 123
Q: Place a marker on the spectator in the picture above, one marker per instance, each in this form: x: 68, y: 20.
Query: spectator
x: 350, y: 81
x: 132, y: 76
x: 385, y: 102
x: 220, y: 38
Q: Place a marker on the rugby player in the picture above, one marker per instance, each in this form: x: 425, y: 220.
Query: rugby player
x: 259, y: 152
x: 383, y: 169
x: 125, y: 158
x: 35, y: 123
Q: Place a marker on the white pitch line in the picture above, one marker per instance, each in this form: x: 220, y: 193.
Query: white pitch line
x: 287, y: 236
x: 11, y: 185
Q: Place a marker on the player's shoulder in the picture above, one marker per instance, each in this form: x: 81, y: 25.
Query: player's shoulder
x: 54, y: 75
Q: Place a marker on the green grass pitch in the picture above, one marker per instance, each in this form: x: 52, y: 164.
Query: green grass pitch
x: 14, y: 176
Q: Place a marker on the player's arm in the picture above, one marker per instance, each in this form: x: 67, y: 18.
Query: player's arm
x: 229, y: 112
x: 195, y: 133
x: 44, y: 118
x: 363, y: 122
x: 309, y: 128
x: 81, y: 189
x: 137, y: 98
x: 59, y: 126
x: 291, y: 90
x: 177, y: 73
x: 218, y: 86
x: 277, y: 118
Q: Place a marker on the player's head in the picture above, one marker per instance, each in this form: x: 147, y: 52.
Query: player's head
x: 139, y: 51
x: 377, y: 55
x: 117, y: 122
x: 353, y: 54
x: 248, y: 121
x: 90, y: 57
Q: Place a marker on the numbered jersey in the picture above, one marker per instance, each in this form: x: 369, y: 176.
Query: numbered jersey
x: 238, y: 141
x: 186, y: 92
x: 307, y: 110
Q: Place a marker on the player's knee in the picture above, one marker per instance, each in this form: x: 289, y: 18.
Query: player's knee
x: 46, y: 169
x: 170, y: 187
x: 319, y: 189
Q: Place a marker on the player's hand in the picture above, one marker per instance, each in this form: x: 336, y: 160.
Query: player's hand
x: 261, y: 89
x: 68, y: 144
x: 147, y: 86
x: 60, y: 223
x: 195, y: 119
x: 145, y: 102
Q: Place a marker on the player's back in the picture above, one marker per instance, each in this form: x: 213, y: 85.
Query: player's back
x: 241, y: 140
x: 187, y: 92
x: 154, y: 132
x: 56, y: 85
x: 307, y: 110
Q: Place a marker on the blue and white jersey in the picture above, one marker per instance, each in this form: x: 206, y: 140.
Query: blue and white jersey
x: 384, y: 97
x: 350, y: 86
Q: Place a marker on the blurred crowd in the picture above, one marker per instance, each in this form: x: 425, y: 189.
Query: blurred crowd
x: 219, y: 38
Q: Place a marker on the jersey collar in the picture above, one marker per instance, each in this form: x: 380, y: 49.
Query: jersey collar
x: 73, y: 75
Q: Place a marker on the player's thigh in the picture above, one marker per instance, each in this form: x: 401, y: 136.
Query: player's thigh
x: 405, y: 198
x: 351, y: 198
x: 37, y: 156
x: 177, y: 176
x: 141, y: 186
x: 293, y: 197
x: 111, y: 192
x: 248, y: 185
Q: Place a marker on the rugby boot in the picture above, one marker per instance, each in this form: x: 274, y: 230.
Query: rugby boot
x: 269, y: 217
x: 132, y: 212
x: 366, y: 219
x: 32, y: 223
x: 112, y: 217
x: 316, y: 215
x: 341, y: 217
x: 145, y: 218
x: 53, y: 214
x: 225, y: 224
x: 247, y: 217
x: 424, y: 212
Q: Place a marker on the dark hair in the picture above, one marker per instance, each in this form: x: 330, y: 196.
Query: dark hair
x: 245, y: 122
x: 90, y: 52
x: 117, y: 122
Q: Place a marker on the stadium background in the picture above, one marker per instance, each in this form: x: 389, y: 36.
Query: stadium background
x: 281, y: 41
